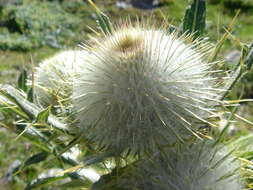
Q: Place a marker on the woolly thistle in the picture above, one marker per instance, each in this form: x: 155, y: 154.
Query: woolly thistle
x: 144, y: 88
x: 53, y: 77
x: 200, y: 166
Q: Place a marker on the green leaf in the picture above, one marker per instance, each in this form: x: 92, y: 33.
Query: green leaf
x: 76, y: 183
x: 29, y: 108
x: 17, y: 97
x: 10, y: 103
x: 93, y: 159
x: 42, y: 117
x: 107, y: 180
x: 241, y: 68
x: 41, y: 182
x: 195, y: 18
x: 39, y: 157
x: 103, y: 20
x: 34, y: 136
x: 249, y: 57
x: 22, y: 81
x: 104, y: 23
x: 30, y: 95
x: 36, y: 159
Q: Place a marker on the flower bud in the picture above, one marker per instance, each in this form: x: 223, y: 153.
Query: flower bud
x: 143, y: 88
x: 54, y: 76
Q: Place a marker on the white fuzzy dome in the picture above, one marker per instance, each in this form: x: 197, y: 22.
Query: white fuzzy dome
x: 54, y: 76
x: 202, y: 166
x: 142, y: 89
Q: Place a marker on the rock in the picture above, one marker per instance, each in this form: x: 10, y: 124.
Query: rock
x: 123, y: 4
x: 94, y: 16
x: 145, y: 4
x: 8, y: 72
x: 12, y: 169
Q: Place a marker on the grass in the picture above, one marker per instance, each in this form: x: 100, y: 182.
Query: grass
x: 12, y: 150
x: 15, y: 61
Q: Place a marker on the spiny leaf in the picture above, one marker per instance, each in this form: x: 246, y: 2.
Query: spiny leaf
x: 30, y: 95
x: 18, y: 98
x: 22, y: 81
x: 249, y: 57
x: 29, y: 108
x: 73, y: 169
x: 104, y: 23
x: 108, y: 178
x: 241, y: 68
x: 41, y: 182
x: 39, y: 157
x: 77, y: 180
x: 42, y: 117
x: 36, y: 159
x: 76, y: 183
x: 103, y: 20
x: 7, y: 106
x: 195, y: 18
x: 225, y: 36
x: 242, y: 143
x: 89, y: 160
x: 35, y: 136
x: 68, y: 160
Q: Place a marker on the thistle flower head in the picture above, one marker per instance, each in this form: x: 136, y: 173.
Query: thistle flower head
x: 144, y: 88
x: 201, y: 166
x: 54, y: 76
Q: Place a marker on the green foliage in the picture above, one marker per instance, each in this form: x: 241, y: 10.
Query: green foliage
x: 16, y: 41
x: 36, y: 23
x: 22, y: 79
x: 72, y: 6
x: 234, y: 4
x: 195, y: 18
x: 48, y: 134
x: 238, y: 4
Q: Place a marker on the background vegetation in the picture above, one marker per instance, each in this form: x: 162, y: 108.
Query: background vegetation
x: 31, y: 30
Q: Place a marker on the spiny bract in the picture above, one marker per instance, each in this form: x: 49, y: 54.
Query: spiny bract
x: 54, y: 76
x: 200, y: 166
x: 144, y: 88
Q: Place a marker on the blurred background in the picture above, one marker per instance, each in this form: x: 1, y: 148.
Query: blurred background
x: 32, y: 30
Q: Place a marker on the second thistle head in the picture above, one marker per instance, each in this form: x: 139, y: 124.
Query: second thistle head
x: 202, y: 165
x: 54, y: 76
x: 144, y: 88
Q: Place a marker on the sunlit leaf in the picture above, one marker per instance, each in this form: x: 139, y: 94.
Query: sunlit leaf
x: 42, y: 117
x: 22, y: 81
x: 195, y: 18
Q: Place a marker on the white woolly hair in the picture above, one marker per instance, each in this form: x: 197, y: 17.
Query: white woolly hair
x: 144, y: 88
x: 53, y: 77
x: 201, y: 166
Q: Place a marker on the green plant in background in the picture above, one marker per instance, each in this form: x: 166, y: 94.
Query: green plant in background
x: 33, y: 24
x: 244, y: 4
x: 133, y: 80
x: 235, y: 4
